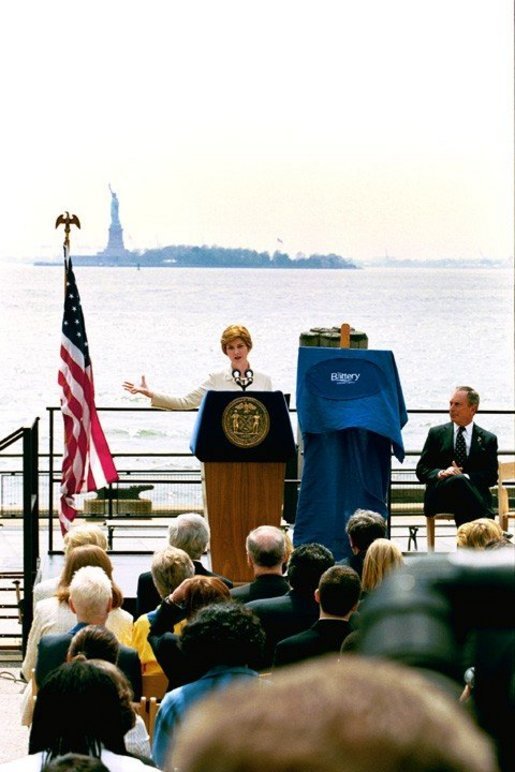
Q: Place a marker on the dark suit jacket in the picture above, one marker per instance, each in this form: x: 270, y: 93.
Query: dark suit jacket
x: 52, y: 650
x: 147, y: 596
x: 324, y: 636
x: 284, y: 616
x: 438, y: 453
x: 265, y: 586
x: 354, y: 561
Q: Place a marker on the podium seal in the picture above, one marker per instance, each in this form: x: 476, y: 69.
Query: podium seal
x: 245, y: 422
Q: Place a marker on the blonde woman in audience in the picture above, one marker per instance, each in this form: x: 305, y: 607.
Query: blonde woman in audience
x: 383, y: 556
x: 170, y: 567
x: 54, y: 615
x: 78, y: 536
x: 462, y: 534
x: 478, y: 533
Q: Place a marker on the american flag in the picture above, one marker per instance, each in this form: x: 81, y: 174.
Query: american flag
x: 87, y: 461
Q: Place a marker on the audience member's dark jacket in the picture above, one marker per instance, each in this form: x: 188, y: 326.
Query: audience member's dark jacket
x: 326, y: 635
x: 52, y: 650
x: 354, y: 561
x: 148, y: 597
x: 284, y: 616
x: 165, y: 644
x: 264, y: 586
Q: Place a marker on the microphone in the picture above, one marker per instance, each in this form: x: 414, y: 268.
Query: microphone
x: 243, y: 381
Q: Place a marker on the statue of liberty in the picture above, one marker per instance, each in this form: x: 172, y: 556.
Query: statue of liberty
x: 115, y: 247
x: 115, y: 207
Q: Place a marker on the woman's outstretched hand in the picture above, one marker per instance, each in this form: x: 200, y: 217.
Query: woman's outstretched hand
x: 141, y: 389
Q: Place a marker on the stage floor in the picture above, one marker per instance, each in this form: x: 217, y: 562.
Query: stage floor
x: 131, y: 556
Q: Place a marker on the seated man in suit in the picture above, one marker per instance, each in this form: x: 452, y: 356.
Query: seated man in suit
x: 188, y: 532
x: 338, y: 596
x: 266, y: 549
x: 459, y: 463
x: 91, y: 596
x: 298, y: 609
x: 363, y: 527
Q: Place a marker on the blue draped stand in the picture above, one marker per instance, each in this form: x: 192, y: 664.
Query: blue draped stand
x: 351, y: 410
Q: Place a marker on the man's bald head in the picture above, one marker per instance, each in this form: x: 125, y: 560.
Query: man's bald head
x: 266, y: 546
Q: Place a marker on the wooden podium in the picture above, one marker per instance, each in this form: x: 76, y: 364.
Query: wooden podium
x: 243, y: 441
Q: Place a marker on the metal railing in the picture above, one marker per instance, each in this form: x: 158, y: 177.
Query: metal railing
x: 29, y: 437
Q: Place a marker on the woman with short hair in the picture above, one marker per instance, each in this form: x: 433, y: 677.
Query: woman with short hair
x: 236, y: 344
x: 79, y: 535
x: 54, y: 615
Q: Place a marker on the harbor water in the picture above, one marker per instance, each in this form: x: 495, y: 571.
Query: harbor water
x: 445, y: 327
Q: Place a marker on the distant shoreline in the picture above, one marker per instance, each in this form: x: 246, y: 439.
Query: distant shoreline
x: 184, y: 256
x: 413, y: 264
x: 138, y: 266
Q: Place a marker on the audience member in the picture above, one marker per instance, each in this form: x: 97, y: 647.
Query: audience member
x: 80, y: 534
x: 90, y: 598
x: 477, y: 533
x: 137, y: 740
x: 169, y: 568
x: 75, y: 762
x: 326, y: 716
x: 462, y: 534
x: 200, y: 591
x: 188, y: 532
x: 77, y: 710
x: 266, y: 549
x: 192, y: 595
x: 382, y: 557
x: 54, y: 615
x: 226, y: 640
x: 94, y: 642
x: 338, y: 596
x: 363, y: 527
x: 297, y: 610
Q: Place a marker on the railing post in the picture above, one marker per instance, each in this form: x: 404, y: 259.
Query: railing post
x: 30, y: 523
x: 51, y: 480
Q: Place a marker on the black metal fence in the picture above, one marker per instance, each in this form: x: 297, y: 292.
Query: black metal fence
x: 28, y: 437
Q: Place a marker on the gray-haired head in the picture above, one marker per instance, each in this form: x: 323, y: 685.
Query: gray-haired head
x: 266, y: 546
x: 91, y: 593
x: 364, y: 527
x: 189, y: 532
x: 472, y: 395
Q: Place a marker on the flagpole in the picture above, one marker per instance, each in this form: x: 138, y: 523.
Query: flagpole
x: 87, y: 461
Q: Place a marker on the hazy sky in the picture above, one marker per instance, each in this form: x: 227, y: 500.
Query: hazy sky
x: 359, y: 127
